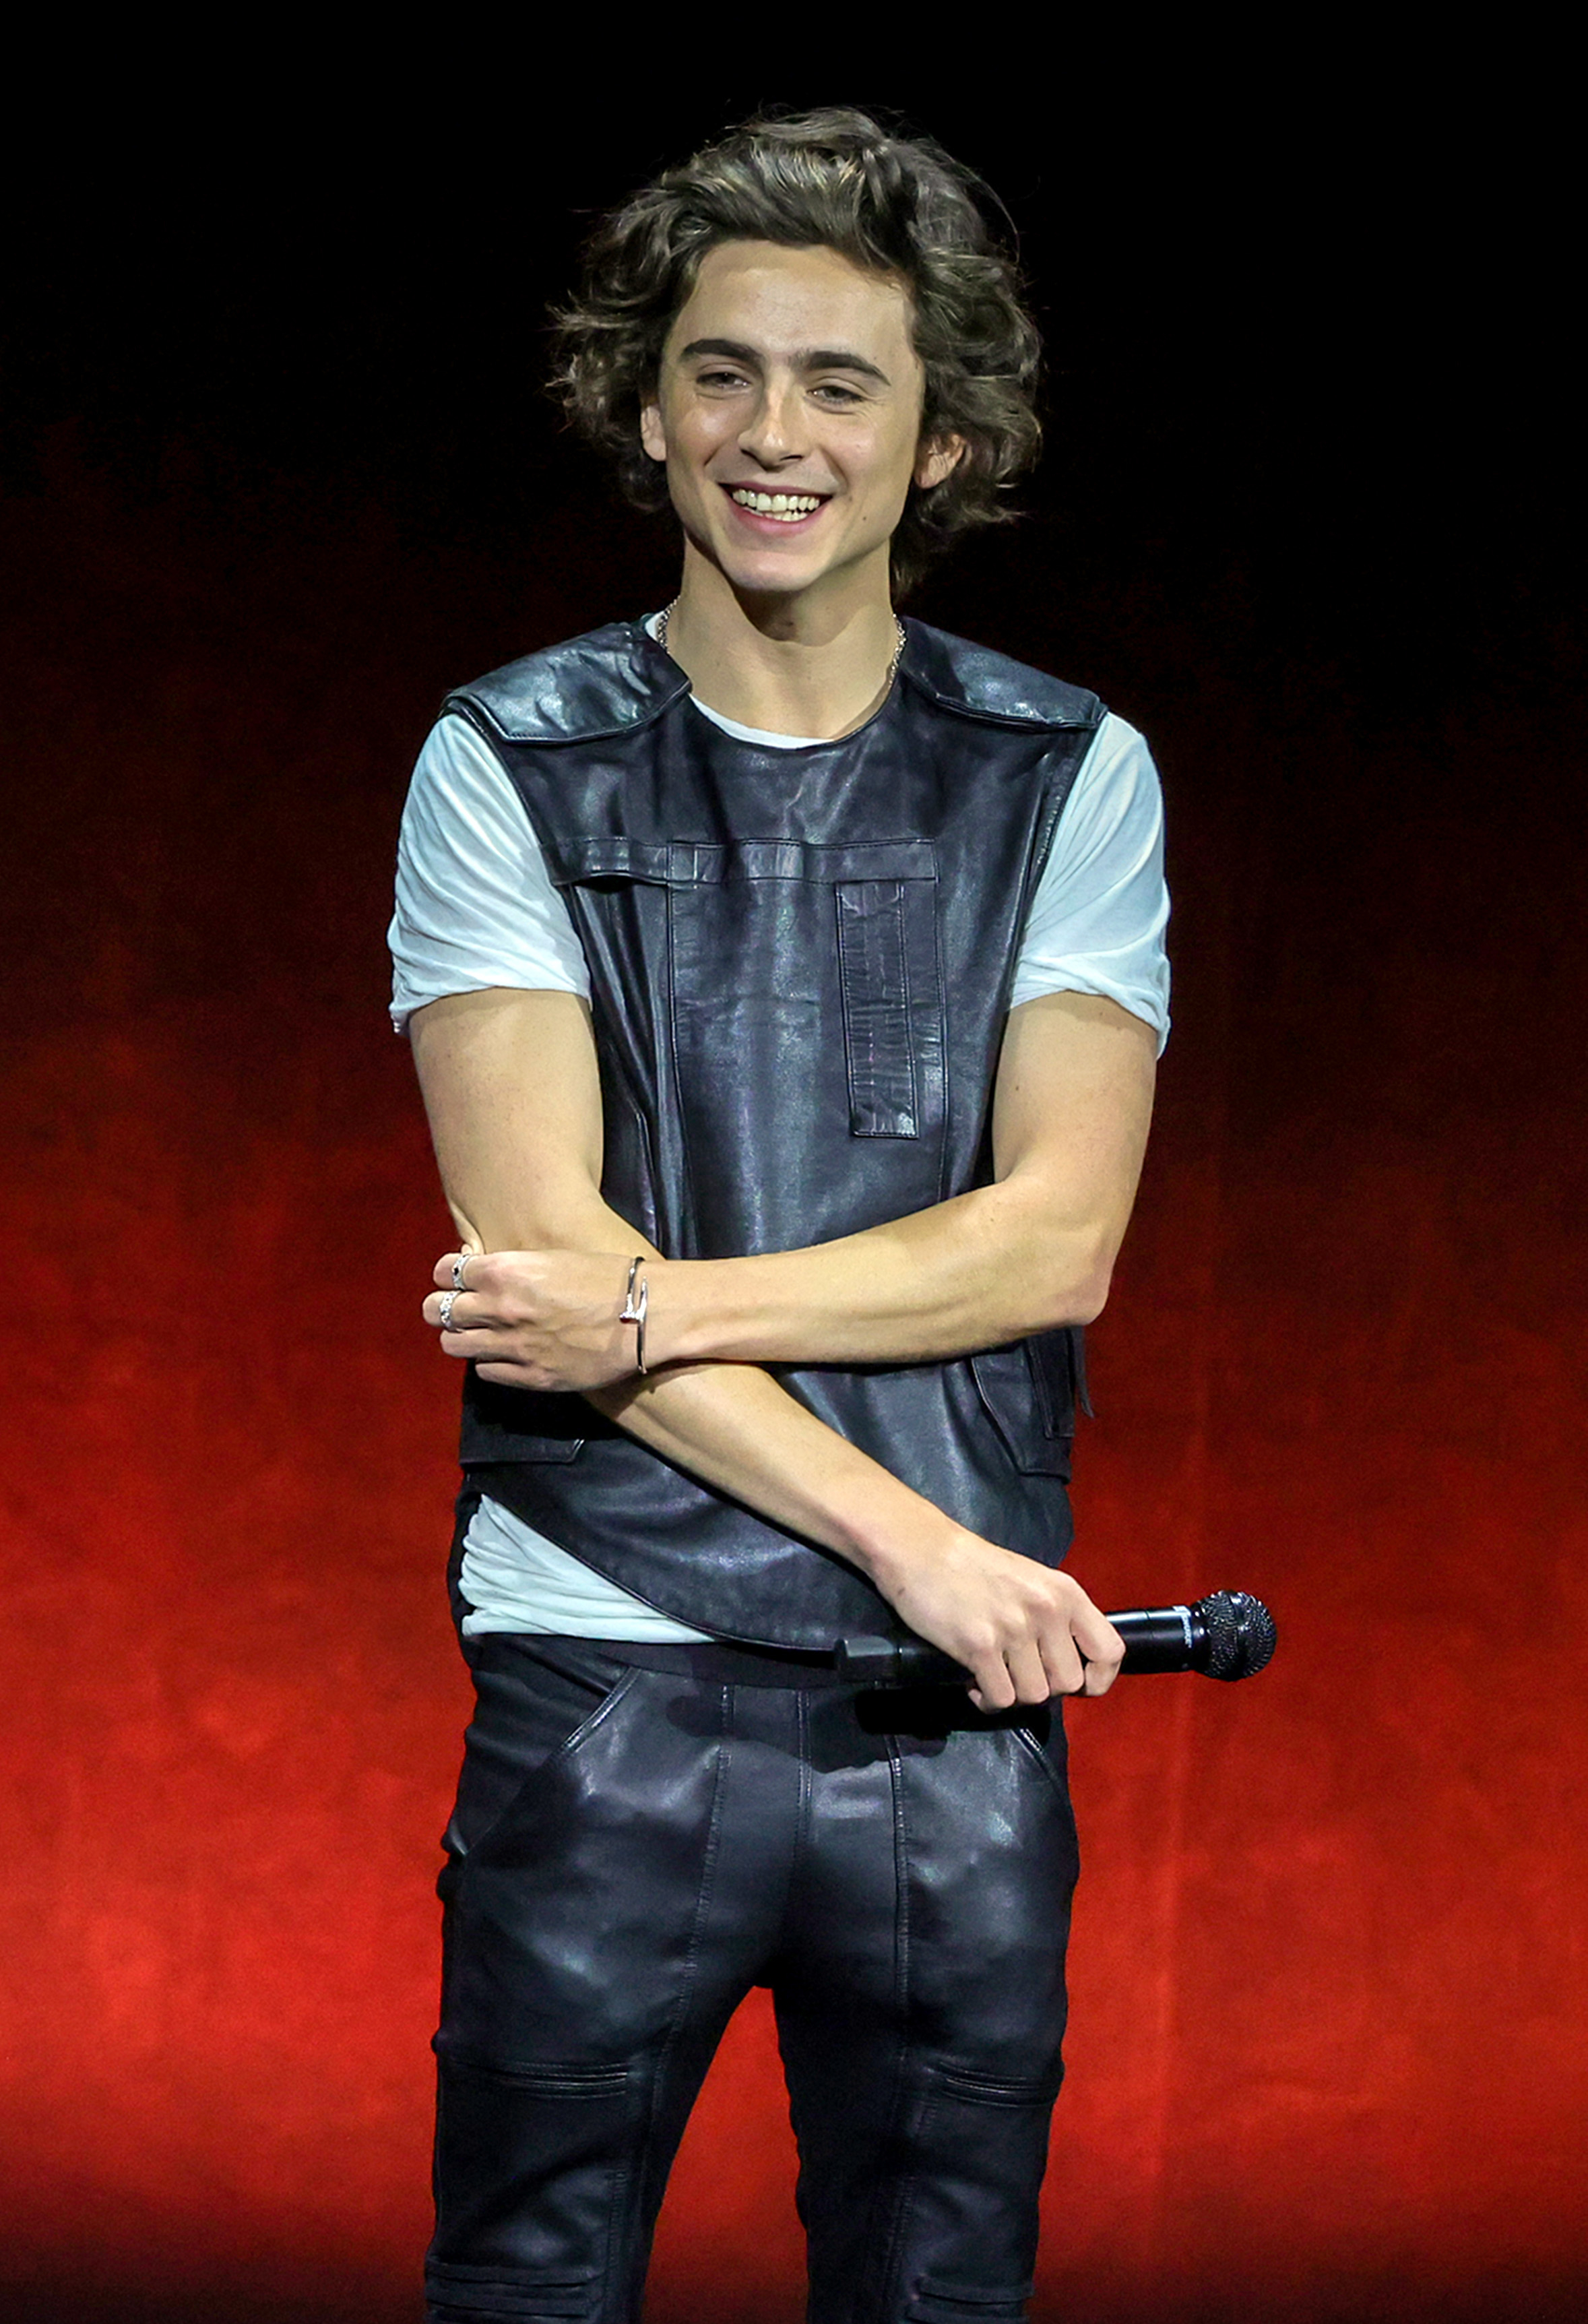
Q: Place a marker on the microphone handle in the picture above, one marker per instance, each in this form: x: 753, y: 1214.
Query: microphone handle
x: 1161, y: 1638
x: 1157, y: 1639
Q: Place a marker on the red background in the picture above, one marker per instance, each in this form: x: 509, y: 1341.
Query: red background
x: 279, y: 474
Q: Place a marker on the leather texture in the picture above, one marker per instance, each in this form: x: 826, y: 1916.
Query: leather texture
x: 633, y: 1849
x: 800, y: 965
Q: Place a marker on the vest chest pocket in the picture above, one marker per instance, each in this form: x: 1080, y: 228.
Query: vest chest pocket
x: 793, y: 998
x: 808, y: 1024
x: 890, y: 985
x: 873, y: 969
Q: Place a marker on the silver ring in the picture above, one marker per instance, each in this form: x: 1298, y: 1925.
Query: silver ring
x: 448, y: 1300
x: 458, y: 1264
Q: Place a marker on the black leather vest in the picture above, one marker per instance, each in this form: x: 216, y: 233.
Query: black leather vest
x: 800, y: 965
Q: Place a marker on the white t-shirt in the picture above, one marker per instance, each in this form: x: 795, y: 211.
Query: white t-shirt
x: 477, y: 908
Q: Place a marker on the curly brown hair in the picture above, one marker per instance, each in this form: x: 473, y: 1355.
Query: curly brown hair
x: 834, y: 178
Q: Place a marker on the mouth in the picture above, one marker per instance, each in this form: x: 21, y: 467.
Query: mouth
x: 784, y: 508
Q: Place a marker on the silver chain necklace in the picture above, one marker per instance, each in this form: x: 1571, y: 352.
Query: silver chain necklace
x: 667, y: 613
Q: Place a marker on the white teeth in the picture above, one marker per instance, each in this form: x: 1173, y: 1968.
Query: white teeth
x: 789, y: 506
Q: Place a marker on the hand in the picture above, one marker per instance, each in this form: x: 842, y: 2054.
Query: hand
x: 540, y: 1319
x: 1026, y: 1630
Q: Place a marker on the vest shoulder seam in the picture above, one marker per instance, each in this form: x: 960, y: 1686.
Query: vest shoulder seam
x: 973, y: 681
x: 611, y: 681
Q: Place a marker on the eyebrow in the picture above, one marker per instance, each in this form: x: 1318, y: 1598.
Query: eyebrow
x: 806, y: 359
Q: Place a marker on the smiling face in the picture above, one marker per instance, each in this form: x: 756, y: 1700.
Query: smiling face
x: 787, y: 413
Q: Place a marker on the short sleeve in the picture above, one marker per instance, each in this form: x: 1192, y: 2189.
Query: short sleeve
x: 1096, y: 922
x: 476, y: 905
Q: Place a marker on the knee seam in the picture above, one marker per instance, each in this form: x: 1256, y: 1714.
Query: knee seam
x: 552, y: 2079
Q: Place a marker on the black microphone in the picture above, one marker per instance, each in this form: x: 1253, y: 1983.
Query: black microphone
x: 1230, y: 1635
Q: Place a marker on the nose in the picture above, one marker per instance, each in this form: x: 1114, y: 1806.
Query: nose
x: 774, y: 433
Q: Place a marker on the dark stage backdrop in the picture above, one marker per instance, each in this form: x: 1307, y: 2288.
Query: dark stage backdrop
x: 280, y: 474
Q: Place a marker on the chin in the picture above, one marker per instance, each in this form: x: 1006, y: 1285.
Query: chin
x: 772, y: 582
x: 767, y: 575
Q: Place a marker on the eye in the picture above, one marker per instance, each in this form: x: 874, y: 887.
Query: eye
x: 720, y: 379
x: 835, y: 392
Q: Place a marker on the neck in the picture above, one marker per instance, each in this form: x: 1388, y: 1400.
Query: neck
x: 782, y: 663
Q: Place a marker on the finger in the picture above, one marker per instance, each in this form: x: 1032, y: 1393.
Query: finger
x: 1028, y: 1673
x: 1061, y: 1659
x: 458, y: 1270
x: 1094, y: 1634
x: 478, y: 1342
x: 995, y: 1688
x: 1101, y: 1676
x: 1102, y: 1667
x: 508, y: 1376
x: 466, y: 1311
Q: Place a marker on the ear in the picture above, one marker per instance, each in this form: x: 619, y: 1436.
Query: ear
x: 938, y: 460
x: 653, y: 435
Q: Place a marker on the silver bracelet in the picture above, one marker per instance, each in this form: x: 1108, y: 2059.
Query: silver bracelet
x: 633, y: 1308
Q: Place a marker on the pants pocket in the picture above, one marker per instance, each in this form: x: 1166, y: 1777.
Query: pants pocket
x: 535, y: 1700
x: 939, y: 2301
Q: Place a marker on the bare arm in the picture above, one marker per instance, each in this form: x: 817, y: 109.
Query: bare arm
x: 1033, y: 1249
x: 511, y: 1089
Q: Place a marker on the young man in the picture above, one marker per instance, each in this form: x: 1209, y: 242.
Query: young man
x: 785, y: 985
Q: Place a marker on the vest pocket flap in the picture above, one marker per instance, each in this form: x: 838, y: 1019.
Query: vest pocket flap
x: 806, y: 860
x: 877, y: 859
x: 1028, y: 1390
x: 572, y: 862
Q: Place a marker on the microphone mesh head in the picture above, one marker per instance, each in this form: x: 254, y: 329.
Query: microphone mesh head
x: 1240, y: 1633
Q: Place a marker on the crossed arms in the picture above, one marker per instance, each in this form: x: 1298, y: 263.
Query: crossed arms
x: 511, y: 1086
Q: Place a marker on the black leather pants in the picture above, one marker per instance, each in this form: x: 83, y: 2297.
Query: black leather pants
x: 634, y: 1849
